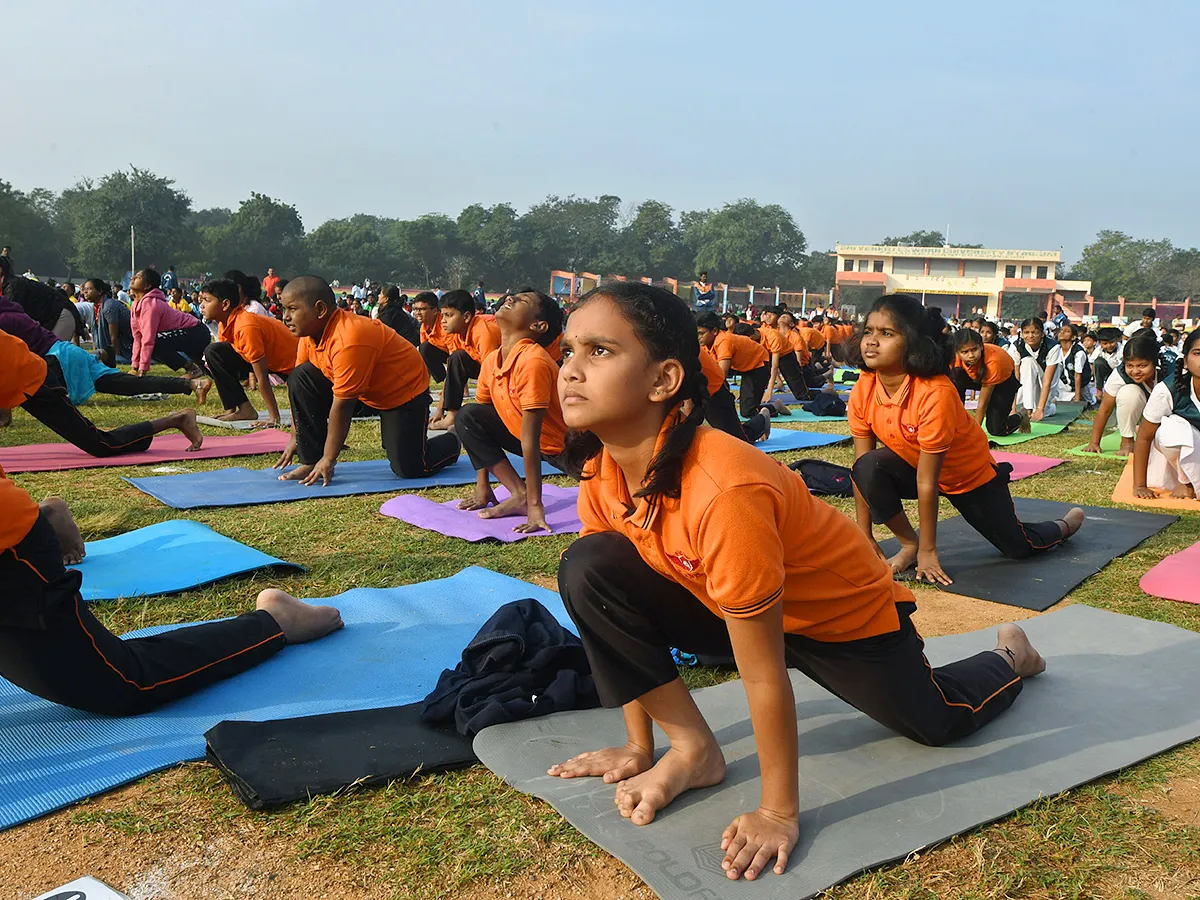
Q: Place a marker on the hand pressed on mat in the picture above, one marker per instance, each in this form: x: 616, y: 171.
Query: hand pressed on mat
x: 754, y: 839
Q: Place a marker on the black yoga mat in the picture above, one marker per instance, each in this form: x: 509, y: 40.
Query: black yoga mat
x: 271, y: 763
x: 1039, y: 582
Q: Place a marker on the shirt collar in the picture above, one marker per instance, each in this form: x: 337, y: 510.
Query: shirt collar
x: 332, y: 322
x: 897, y: 399
x: 643, y: 512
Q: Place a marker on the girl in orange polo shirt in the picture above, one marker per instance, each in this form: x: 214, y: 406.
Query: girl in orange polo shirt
x: 905, y: 400
x: 986, y: 368
x: 668, y: 507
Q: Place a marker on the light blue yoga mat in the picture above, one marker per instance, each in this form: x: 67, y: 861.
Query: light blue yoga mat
x: 251, y: 487
x: 164, y: 559
x: 395, y: 644
x: 803, y: 415
x: 782, y: 439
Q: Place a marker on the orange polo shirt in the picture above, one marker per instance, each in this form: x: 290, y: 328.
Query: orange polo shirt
x: 366, y: 361
x: 744, y: 354
x: 806, y: 554
x: 21, y: 374
x: 555, y: 350
x: 437, y: 336
x: 255, y: 338
x: 812, y: 337
x: 924, y: 414
x: 998, y: 366
x: 773, y: 342
x: 482, y: 337
x: 799, y: 346
x: 526, y: 379
x: 712, y: 371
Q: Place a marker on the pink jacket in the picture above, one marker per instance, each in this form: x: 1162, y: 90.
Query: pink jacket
x: 147, y: 318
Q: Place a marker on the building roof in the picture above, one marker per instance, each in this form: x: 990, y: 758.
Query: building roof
x: 948, y: 252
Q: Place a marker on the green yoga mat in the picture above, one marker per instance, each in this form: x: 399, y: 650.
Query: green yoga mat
x: 1109, y: 444
x: 1063, y: 416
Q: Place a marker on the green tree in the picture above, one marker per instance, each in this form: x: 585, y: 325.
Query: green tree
x: 819, y: 270
x: 345, y: 251
x: 1181, y: 276
x: 495, y: 239
x: 577, y: 234
x: 1120, y: 265
x: 657, y: 242
x: 99, y: 216
x: 263, y: 233
x: 917, y: 239
x: 423, y: 247
x: 748, y: 243
x: 29, y: 225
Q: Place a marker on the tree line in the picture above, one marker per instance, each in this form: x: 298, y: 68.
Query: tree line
x: 84, y: 230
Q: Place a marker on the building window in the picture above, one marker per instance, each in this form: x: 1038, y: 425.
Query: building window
x: 1041, y: 272
x: 862, y: 264
x: 1010, y: 271
x: 1026, y: 271
x: 848, y: 266
x: 877, y: 266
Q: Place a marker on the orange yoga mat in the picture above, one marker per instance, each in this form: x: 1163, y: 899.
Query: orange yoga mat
x: 1123, y: 493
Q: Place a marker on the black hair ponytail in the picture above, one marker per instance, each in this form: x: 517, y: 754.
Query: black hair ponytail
x: 667, y: 329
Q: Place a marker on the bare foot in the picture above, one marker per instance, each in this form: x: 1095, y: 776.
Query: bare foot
x: 1071, y: 522
x: 296, y: 474
x: 513, y: 506
x: 444, y: 422
x: 766, y: 428
x: 1183, y: 492
x: 904, y: 559
x: 201, y: 387
x: 69, y: 539
x: 185, y: 421
x: 5, y: 418
x: 1024, y: 427
x: 479, y: 500
x: 780, y: 407
x: 298, y: 620
x: 640, y: 797
x: 244, y: 413
x: 1024, y: 660
x: 1126, y: 446
x: 613, y: 764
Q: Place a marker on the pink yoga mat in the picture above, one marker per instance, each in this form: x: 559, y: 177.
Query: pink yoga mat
x: 1175, y: 577
x: 446, y: 518
x: 1025, y: 465
x: 165, y: 448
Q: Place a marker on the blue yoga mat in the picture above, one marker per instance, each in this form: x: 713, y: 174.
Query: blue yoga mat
x: 782, y: 439
x: 250, y: 487
x: 395, y: 644
x: 164, y: 559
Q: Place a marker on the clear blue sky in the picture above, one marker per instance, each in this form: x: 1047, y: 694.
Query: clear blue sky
x: 1026, y: 124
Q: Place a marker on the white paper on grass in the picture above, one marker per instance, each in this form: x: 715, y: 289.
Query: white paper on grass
x: 85, y: 888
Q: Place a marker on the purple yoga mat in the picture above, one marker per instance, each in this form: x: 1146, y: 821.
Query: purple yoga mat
x: 164, y: 448
x: 446, y: 518
x: 1025, y: 465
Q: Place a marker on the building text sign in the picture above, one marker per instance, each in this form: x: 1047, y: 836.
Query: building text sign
x: 946, y: 252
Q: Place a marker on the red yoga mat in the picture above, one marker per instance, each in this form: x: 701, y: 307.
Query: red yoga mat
x: 1175, y: 577
x: 165, y: 448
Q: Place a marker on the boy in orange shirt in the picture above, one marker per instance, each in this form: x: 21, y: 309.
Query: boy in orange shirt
x: 784, y: 360
x: 435, y: 345
x: 517, y: 410
x: 347, y: 365
x: 52, y: 646
x: 740, y: 355
x: 473, y: 336
x: 246, y: 344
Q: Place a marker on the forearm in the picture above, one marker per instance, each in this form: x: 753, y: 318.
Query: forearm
x: 263, y: 377
x: 773, y: 377
x: 929, y: 471
x: 1141, y: 452
x: 340, y: 415
x: 985, y: 398
x: 773, y: 716
x: 1047, y: 385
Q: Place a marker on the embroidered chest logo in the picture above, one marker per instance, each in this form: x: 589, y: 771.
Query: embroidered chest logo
x: 682, y: 562
x: 910, y: 429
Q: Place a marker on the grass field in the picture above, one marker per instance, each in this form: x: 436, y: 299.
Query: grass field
x: 182, y: 834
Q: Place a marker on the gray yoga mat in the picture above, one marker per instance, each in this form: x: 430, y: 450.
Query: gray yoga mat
x: 1118, y: 690
x: 1040, y: 581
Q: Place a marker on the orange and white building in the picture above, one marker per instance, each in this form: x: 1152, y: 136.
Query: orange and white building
x: 964, y: 280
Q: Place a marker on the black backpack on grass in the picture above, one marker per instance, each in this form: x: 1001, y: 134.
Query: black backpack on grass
x: 824, y: 477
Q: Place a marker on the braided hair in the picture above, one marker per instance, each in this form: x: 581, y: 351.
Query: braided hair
x: 665, y: 326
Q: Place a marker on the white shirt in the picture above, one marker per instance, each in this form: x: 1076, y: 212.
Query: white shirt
x: 1162, y: 402
x: 1115, y: 382
x: 258, y: 309
x: 1053, y: 358
x: 1134, y: 327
